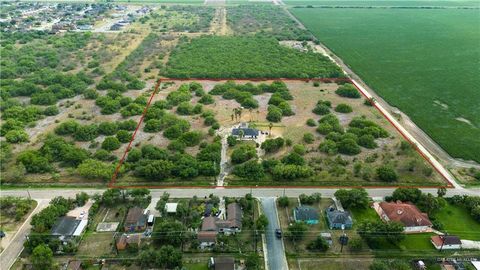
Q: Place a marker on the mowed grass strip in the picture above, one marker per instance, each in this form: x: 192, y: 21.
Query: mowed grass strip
x: 425, y: 62
x: 245, y: 57
x: 382, y: 3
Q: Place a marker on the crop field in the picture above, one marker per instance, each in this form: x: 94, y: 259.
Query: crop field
x: 245, y: 57
x: 430, y: 73
x: 383, y: 3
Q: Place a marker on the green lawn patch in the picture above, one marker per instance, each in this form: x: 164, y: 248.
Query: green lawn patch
x: 457, y: 220
x: 402, y: 55
x: 360, y: 215
x: 245, y: 57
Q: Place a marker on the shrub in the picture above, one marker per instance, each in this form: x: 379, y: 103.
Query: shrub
x: 274, y: 114
x: 328, y: 147
x: 243, y: 153
x: 348, y: 90
x: 90, y: 94
x: 86, y: 133
x: 231, y: 141
x: 124, y: 136
x: 311, y: 122
x: 386, y: 173
x: 67, y: 128
x: 153, y: 125
x: 321, y: 109
x: 250, y: 170
x: 308, y: 138
x: 348, y: 147
x: 367, y: 141
x: 129, y: 125
x: 107, y: 128
x: 272, y: 145
x: 207, y: 99
x: 16, y: 136
x: 177, y: 146
x: 343, y: 108
x: 94, y: 169
x: 111, y: 143
x: 51, y: 110
x: 299, y: 149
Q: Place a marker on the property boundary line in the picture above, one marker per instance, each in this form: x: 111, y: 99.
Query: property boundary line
x: 112, y: 182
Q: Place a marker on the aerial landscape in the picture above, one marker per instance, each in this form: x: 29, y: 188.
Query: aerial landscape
x: 240, y: 134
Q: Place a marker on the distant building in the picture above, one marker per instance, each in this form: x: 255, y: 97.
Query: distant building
x: 338, y: 219
x: 136, y: 219
x: 211, y: 225
x: 306, y: 214
x: 74, y: 265
x: 171, y: 208
x: 116, y: 27
x: 207, y: 238
x: 73, y: 224
x: 446, y: 242
x: 406, y: 213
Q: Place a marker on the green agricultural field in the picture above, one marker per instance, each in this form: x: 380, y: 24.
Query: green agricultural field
x: 383, y: 3
x: 245, y: 57
x: 423, y: 61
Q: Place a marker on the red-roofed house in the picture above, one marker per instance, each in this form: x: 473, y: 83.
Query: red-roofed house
x: 406, y: 213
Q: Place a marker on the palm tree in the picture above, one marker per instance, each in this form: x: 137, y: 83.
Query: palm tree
x: 270, y: 126
x: 250, y: 111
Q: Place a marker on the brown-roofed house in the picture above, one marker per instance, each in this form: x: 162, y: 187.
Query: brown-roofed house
x: 234, y: 215
x: 406, y: 213
x: 224, y: 263
x: 446, y: 242
x: 207, y: 238
x: 136, y: 220
x: 128, y: 240
x: 209, y: 224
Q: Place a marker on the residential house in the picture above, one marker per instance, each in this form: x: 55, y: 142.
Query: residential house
x: 338, y: 219
x: 221, y: 263
x: 306, y: 214
x: 243, y: 132
x: 408, y: 214
x: 207, y: 239
x: 128, y: 240
x: 442, y: 242
x: 214, y: 225
x: 73, y: 224
x: 136, y: 220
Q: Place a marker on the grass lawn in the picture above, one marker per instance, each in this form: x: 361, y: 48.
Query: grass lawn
x: 96, y: 245
x: 409, y: 67
x: 382, y: 3
x: 196, y: 266
x: 360, y: 215
x: 457, y: 220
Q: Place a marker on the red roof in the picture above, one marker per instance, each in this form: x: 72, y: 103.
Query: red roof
x: 438, y: 240
x: 405, y: 213
x: 206, y: 236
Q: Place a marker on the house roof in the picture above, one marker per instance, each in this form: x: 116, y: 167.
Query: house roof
x: 340, y: 217
x: 207, y: 236
x: 129, y: 239
x: 446, y: 240
x: 74, y: 265
x: 304, y: 213
x: 135, y: 217
x: 246, y: 131
x: 65, y: 226
x: 234, y: 215
x: 405, y: 213
x: 224, y: 263
x: 209, y: 224
x: 171, y: 207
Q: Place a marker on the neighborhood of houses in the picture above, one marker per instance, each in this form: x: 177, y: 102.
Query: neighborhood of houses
x: 62, y: 17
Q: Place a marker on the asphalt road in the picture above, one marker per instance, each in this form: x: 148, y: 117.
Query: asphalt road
x: 276, y: 259
x: 11, y: 252
x: 229, y: 192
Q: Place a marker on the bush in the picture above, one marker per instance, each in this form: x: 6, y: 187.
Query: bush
x: 51, y: 110
x: 153, y: 125
x: 348, y: 147
x: 124, y: 136
x: 86, y: 133
x: 386, y: 173
x: 311, y: 122
x: 367, y: 141
x: 16, y: 136
x: 308, y: 138
x: 231, y: 141
x: 111, y: 143
x: 273, y: 145
x: 107, y: 128
x: 177, y: 146
x: 94, y: 169
x: 299, y: 149
x: 283, y: 201
x: 250, y: 170
x: 328, y: 147
x: 274, y: 114
x: 321, y: 109
x: 319, y: 244
x: 348, y: 90
x: 343, y: 108
x: 90, y: 94
x: 129, y: 125
x: 243, y: 153
x: 67, y: 128
x: 206, y: 99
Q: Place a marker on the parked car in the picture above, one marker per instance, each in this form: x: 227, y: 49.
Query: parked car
x: 278, y: 233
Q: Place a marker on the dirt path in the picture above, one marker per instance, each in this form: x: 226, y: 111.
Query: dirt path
x: 219, y: 23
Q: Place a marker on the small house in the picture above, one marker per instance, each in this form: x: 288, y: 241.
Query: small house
x: 442, y: 242
x: 243, y: 132
x: 136, y: 219
x: 338, y: 219
x: 207, y: 239
x: 128, y: 240
x: 306, y: 214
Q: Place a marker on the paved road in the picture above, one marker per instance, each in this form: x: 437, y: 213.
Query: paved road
x: 225, y: 191
x: 11, y: 252
x: 276, y: 259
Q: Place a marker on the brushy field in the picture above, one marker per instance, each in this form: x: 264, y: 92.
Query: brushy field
x: 383, y: 3
x: 423, y: 61
x: 245, y: 57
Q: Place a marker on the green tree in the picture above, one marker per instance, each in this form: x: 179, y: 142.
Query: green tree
x: 297, y: 231
x: 261, y: 222
x: 111, y: 143
x: 124, y: 136
x: 243, y: 153
x: 386, y: 173
x: 170, y: 233
x: 353, y: 198
x: 95, y: 169
x: 42, y: 257
x: 319, y: 244
x: 283, y: 201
